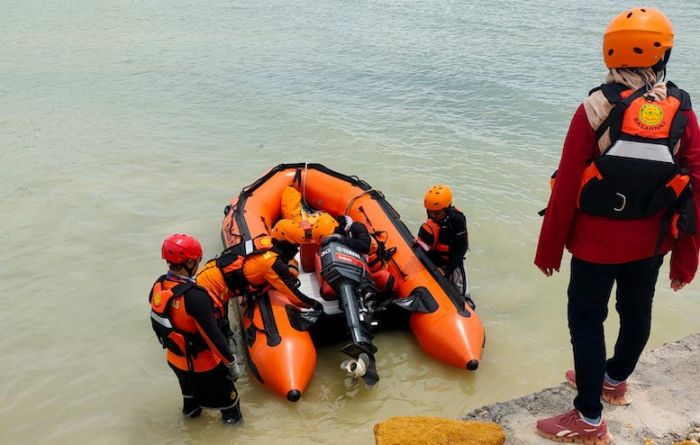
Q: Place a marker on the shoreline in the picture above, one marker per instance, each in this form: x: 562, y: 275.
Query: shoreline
x: 664, y: 391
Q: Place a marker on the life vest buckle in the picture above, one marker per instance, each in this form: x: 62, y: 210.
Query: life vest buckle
x: 624, y: 202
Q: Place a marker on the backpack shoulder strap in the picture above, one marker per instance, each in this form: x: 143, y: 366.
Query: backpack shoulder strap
x: 617, y: 112
x: 611, y: 91
x: 181, y: 288
x: 679, y: 94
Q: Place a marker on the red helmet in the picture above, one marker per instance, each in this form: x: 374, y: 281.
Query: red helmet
x: 178, y: 248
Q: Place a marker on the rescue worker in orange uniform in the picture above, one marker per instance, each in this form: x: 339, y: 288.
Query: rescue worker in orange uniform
x: 271, y: 266
x: 188, y: 322
x: 444, y: 236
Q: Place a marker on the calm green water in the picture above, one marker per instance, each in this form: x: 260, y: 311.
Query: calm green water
x: 123, y: 121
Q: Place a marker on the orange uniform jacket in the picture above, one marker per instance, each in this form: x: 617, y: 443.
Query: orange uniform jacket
x: 270, y: 268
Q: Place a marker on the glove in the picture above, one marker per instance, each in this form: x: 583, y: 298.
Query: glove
x: 330, y: 238
x: 310, y: 314
x: 233, y: 369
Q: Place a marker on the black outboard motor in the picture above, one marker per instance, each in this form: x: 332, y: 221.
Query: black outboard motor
x: 347, y: 273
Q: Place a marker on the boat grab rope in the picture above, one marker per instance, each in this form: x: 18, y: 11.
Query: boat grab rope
x: 355, y: 198
x: 362, y: 210
x: 249, y: 313
x: 303, y: 183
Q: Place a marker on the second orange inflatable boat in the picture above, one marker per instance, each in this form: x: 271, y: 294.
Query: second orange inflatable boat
x: 281, y: 354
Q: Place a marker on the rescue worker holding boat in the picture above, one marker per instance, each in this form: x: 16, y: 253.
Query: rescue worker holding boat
x: 444, y: 237
x: 188, y: 321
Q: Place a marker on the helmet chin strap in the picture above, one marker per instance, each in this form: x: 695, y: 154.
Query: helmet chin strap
x: 660, y: 67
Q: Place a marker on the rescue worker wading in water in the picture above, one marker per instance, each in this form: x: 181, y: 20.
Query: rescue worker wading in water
x: 189, y: 322
x: 444, y: 237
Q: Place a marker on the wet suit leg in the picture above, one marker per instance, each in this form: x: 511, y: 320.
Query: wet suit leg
x: 458, y: 279
x: 190, y: 404
x: 210, y: 389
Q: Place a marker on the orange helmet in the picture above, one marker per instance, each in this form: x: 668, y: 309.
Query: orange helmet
x: 438, y: 197
x: 637, y: 38
x: 325, y: 225
x: 288, y: 230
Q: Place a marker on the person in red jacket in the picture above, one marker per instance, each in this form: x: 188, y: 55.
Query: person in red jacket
x: 625, y: 194
x: 189, y: 322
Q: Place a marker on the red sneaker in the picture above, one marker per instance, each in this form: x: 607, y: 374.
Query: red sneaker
x: 570, y: 427
x: 613, y: 394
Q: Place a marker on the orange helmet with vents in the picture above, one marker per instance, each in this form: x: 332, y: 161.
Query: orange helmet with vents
x: 288, y: 230
x: 324, y: 225
x: 637, y: 38
x: 438, y: 197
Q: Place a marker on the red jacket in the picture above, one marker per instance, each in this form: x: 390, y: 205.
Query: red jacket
x: 604, y: 240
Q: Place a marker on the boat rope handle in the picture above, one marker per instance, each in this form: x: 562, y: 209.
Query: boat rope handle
x: 403, y: 274
x: 355, y: 198
x: 265, y: 224
x: 369, y: 221
x: 303, y: 182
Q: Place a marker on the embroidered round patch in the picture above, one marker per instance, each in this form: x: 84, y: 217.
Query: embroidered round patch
x: 651, y: 114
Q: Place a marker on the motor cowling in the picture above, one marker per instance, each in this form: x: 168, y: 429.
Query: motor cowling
x: 340, y: 263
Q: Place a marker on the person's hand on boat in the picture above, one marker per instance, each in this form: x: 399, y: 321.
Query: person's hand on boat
x: 234, y: 371
x: 310, y: 314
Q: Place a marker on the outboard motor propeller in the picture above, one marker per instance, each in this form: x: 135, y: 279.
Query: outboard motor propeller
x: 346, y: 271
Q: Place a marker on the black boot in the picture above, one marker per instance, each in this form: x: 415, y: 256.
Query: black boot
x: 190, y: 408
x: 232, y: 416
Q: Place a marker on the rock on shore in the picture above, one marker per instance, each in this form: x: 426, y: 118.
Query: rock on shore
x: 664, y: 391
x: 420, y: 430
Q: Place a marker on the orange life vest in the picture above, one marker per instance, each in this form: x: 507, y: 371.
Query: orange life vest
x: 429, y: 240
x: 211, y: 278
x: 231, y: 262
x: 637, y: 175
x: 177, y: 330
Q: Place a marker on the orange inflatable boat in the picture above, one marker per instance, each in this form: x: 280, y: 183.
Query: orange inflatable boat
x: 280, y: 349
